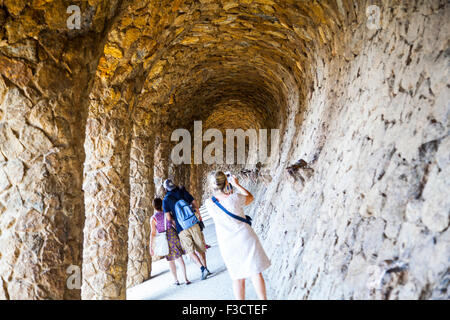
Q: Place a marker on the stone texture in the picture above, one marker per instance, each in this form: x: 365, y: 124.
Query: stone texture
x: 45, y: 75
x: 107, y: 202
x: 372, y: 220
x: 141, y: 190
x: 366, y: 110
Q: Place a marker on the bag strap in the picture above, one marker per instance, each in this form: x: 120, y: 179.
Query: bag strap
x: 165, y: 222
x: 229, y: 213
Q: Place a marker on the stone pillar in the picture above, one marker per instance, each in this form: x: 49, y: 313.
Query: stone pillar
x: 186, y: 175
x: 41, y: 160
x: 107, y: 201
x: 141, y: 196
x: 161, y: 167
x: 195, y: 185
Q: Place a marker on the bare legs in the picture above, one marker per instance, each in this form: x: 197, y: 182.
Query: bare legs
x: 173, y: 269
x: 202, y: 259
x: 183, y: 268
x: 198, y: 258
x: 239, y: 289
x: 258, y: 284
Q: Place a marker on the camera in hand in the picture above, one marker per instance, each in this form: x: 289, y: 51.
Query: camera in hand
x: 229, y: 178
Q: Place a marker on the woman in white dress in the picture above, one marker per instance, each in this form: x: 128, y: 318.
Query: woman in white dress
x: 239, y: 245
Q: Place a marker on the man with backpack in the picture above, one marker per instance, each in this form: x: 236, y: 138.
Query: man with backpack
x: 181, y: 205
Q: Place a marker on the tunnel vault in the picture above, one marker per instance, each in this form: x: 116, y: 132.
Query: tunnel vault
x: 86, y: 117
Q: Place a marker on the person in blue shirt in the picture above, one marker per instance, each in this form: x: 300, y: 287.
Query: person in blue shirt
x: 191, y: 239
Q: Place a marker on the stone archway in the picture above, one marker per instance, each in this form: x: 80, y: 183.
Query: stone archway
x: 355, y: 188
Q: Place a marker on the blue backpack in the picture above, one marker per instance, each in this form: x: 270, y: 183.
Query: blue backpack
x: 185, y: 215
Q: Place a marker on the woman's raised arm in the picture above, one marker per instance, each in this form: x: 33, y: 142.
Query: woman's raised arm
x: 248, y: 196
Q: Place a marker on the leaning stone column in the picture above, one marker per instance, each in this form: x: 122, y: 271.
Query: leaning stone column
x: 141, y: 195
x: 195, y: 182
x: 107, y: 202
x: 162, y: 156
x: 186, y: 175
x: 45, y: 77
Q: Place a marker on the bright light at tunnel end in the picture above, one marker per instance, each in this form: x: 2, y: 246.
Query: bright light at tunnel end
x: 251, y: 153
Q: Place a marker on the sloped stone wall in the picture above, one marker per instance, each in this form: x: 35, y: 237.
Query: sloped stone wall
x: 367, y: 215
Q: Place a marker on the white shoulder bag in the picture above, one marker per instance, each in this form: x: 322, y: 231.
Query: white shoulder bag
x: 161, y: 246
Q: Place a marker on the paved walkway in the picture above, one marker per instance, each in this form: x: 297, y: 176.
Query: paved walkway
x: 216, y: 287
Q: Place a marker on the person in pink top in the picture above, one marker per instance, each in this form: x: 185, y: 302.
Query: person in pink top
x: 175, y: 250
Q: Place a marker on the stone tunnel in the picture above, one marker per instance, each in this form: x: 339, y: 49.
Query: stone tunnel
x: 353, y: 202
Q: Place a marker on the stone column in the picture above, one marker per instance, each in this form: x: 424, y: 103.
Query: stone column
x: 42, y: 123
x: 161, y: 167
x: 186, y: 175
x: 107, y: 201
x: 195, y: 187
x: 141, y: 193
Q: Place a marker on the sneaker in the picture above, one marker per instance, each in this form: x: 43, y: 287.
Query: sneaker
x: 204, y: 274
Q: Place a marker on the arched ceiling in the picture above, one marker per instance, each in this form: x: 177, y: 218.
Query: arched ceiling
x: 185, y: 59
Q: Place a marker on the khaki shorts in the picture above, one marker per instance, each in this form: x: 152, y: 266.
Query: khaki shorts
x: 192, y: 239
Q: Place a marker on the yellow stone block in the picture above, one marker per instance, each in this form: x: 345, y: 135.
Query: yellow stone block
x: 318, y: 11
x: 322, y: 35
x: 140, y: 21
x: 230, y: 5
x: 265, y: 2
x: 112, y: 50
x: 131, y: 35
x: 179, y: 20
x: 176, y: 5
x: 224, y: 20
x: 106, y: 67
x: 207, y: 38
x: 189, y: 40
x: 55, y: 15
x: 178, y: 31
x: 267, y: 9
x: 39, y: 4
x: 276, y: 34
x: 157, y: 69
x: 126, y: 21
x: 15, y: 7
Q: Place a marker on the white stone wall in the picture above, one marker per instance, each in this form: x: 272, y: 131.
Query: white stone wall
x: 372, y: 220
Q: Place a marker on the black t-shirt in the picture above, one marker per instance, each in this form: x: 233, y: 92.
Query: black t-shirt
x: 171, y: 198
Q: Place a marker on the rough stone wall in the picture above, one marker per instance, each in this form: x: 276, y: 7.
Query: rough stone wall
x: 114, y: 110
x: 367, y: 216
x: 46, y: 72
x: 366, y: 110
x: 141, y: 192
x: 161, y: 166
x: 107, y: 197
